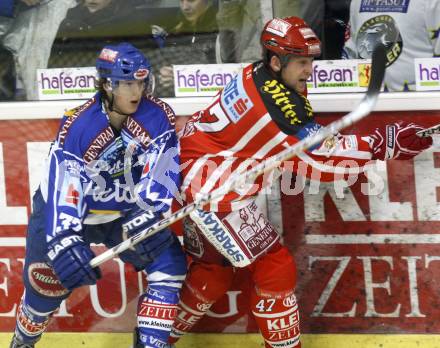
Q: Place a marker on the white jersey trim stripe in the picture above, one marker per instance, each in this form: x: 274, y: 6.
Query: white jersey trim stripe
x: 261, y: 153
x: 262, y: 122
x: 212, y: 179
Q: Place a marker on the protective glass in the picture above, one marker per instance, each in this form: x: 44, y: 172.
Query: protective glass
x: 129, y: 88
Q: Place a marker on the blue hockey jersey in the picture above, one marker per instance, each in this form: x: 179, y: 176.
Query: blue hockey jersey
x: 96, y: 173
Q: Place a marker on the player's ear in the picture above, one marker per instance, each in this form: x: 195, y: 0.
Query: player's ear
x: 275, y: 63
x: 107, y: 87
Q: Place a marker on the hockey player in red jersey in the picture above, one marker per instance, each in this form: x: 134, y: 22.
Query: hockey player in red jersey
x: 258, y: 114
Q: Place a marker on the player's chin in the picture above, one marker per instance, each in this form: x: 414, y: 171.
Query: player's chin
x: 300, y: 86
x: 131, y: 107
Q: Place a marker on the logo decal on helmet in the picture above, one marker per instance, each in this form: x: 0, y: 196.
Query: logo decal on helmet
x: 141, y: 74
x: 278, y: 27
x: 314, y: 49
x: 108, y: 55
x: 307, y: 33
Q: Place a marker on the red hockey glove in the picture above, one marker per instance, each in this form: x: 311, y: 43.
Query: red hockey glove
x: 398, y: 141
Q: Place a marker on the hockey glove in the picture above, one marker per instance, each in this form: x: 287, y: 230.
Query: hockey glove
x: 69, y: 256
x: 138, y: 220
x: 398, y: 141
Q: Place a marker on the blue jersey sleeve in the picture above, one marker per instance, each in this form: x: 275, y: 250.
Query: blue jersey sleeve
x: 65, y: 203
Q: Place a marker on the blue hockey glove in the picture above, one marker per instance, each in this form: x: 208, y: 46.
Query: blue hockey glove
x: 69, y: 256
x: 138, y: 220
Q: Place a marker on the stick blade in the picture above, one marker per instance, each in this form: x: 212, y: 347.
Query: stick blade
x: 378, y: 64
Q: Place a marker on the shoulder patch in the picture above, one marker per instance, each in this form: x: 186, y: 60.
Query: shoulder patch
x: 72, y: 117
x: 234, y: 99
x: 70, y: 112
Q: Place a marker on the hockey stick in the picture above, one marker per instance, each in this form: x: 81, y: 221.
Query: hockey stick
x: 362, y: 110
x: 427, y: 132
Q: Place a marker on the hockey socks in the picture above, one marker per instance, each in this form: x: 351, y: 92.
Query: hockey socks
x: 30, y: 324
x: 273, y: 302
x: 278, y: 319
x: 155, y: 316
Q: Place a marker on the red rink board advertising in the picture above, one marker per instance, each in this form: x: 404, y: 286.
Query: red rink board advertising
x: 366, y: 263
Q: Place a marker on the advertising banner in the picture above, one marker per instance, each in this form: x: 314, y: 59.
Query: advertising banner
x: 328, y: 76
x: 427, y: 72
x: 66, y: 83
x: 203, y: 80
x: 366, y: 263
x: 332, y: 76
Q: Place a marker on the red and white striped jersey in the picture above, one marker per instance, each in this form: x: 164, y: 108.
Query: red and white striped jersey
x: 253, y: 118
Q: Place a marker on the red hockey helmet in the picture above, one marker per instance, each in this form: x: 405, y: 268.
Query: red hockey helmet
x: 290, y: 35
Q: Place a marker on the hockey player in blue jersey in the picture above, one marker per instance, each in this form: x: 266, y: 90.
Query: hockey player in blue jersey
x: 112, y: 171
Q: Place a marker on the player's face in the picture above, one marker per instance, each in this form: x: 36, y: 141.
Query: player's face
x: 193, y: 9
x: 296, y: 72
x: 96, y: 5
x: 128, y: 95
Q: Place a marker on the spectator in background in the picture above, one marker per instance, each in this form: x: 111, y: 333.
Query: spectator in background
x: 10, y: 82
x: 29, y: 37
x: 7, y: 68
x: 409, y: 29
x: 328, y: 19
x: 191, y: 41
x: 92, y: 24
x: 240, y: 22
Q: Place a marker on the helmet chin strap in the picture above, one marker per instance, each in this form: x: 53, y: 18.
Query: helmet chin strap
x: 115, y: 116
x: 109, y: 98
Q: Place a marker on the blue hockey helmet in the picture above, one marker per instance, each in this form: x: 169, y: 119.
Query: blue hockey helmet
x: 122, y: 62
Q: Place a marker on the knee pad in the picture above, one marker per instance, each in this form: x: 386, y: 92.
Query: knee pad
x: 275, y: 272
x: 204, y: 285
x: 208, y: 282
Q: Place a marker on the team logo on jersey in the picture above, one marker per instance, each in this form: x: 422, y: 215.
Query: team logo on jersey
x: 380, y: 29
x: 44, y: 280
x: 235, y: 100
x: 384, y: 6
